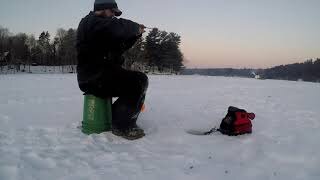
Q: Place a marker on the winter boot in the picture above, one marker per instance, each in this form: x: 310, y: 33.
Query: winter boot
x: 131, y: 133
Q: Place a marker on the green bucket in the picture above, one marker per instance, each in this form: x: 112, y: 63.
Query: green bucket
x: 97, y: 115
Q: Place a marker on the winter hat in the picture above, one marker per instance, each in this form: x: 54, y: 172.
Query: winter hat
x: 107, y: 4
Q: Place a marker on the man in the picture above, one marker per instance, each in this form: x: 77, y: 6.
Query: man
x: 101, y: 40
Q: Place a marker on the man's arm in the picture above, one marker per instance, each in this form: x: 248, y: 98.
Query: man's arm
x: 121, y: 30
x: 122, y: 34
x: 130, y: 42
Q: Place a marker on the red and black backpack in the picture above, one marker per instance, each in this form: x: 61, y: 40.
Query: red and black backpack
x: 236, y: 122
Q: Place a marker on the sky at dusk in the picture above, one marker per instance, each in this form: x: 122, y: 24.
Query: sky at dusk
x: 215, y: 33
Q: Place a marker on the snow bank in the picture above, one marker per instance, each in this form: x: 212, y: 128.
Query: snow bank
x: 23, y: 69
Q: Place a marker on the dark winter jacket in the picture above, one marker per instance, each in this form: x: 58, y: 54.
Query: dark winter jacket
x: 101, y: 41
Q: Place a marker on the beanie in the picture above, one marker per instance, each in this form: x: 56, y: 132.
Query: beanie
x: 107, y: 4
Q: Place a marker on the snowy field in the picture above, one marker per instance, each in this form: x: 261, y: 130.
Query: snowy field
x: 39, y: 138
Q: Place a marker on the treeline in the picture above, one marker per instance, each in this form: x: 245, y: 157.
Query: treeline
x: 306, y: 71
x: 27, y: 50
x: 220, y: 72
x: 159, y: 50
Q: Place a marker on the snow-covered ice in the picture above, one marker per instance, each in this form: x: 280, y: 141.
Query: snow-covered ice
x: 39, y: 138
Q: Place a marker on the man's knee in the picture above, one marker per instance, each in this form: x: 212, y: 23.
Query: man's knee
x: 144, y: 80
x: 141, y: 82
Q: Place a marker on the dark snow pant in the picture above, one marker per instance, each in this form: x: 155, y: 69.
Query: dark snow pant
x: 130, y: 87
